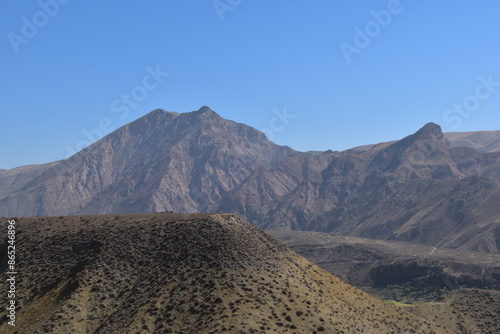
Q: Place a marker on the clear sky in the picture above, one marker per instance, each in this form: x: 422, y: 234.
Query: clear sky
x: 348, y: 72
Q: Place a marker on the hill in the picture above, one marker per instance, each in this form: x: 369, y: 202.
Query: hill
x: 174, y: 273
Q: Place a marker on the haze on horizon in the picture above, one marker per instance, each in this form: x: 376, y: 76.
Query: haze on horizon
x: 350, y: 74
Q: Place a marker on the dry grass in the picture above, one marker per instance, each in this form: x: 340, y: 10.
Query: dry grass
x: 464, y: 311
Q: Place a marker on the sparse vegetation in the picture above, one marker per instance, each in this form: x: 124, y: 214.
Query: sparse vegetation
x: 173, y: 273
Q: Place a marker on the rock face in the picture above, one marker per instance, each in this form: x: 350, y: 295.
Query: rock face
x: 421, y: 188
x: 181, y: 273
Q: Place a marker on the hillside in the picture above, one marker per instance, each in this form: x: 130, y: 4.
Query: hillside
x: 464, y: 311
x: 181, y: 273
x: 395, y: 270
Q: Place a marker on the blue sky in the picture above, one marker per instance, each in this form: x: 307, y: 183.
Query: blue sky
x: 349, y: 72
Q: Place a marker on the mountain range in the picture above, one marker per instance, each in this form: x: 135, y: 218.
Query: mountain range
x: 430, y: 187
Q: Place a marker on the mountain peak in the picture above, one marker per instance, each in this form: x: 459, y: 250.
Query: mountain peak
x: 204, y: 113
x: 205, y: 109
x: 159, y: 113
x: 431, y: 128
x: 420, y: 155
x: 429, y: 132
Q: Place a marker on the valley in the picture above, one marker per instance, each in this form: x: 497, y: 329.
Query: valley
x: 393, y: 270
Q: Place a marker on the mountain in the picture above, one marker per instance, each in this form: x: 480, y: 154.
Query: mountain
x: 485, y: 141
x: 181, y: 273
x: 418, y: 189
x: 423, y: 188
x: 162, y: 161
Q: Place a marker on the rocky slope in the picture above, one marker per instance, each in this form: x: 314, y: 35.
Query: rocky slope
x: 173, y: 273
